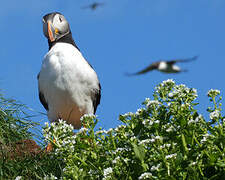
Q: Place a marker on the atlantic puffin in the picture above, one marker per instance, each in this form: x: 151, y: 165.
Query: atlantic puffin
x: 165, y: 66
x: 68, y: 85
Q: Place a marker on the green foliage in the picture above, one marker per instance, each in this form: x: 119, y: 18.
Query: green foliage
x: 14, y: 121
x: 165, y: 139
x: 16, y: 126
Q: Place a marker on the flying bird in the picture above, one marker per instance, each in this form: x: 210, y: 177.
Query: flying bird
x: 68, y: 86
x: 166, y: 66
x: 93, y: 6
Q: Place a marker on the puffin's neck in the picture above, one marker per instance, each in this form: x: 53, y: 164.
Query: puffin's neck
x: 66, y: 39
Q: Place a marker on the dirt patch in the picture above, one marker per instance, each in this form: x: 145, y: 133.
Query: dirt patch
x: 20, y: 149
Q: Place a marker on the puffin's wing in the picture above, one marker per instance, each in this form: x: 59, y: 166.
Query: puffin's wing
x: 147, y: 69
x: 182, y: 60
x: 41, y: 96
x: 96, y: 97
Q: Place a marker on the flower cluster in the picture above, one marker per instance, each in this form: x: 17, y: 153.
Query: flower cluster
x: 214, y: 115
x: 107, y: 173
x: 213, y: 92
x: 145, y: 175
x: 61, y: 135
x: 152, y: 143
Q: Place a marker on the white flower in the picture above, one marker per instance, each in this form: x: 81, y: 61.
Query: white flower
x: 120, y: 127
x: 197, y: 119
x: 18, y: 177
x: 116, y: 160
x: 168, y: 81
x: 128, y: 114
x: 191, y: 121
x: 193, y: 163
x: 145, y: 175
x: 213, y: 92
x: 155, y: 168
x: 139, y: 111
x: 147, y: 122
x: 145, y: 141
x: 158, y: 138
x: 126, y: 160
x: 83, y: 129
x: 205, y: 137
x: 214, y: 115
x: 170, y: 129
x: 194, y: 90
x: 109, y: 131
x: 107, y: 171
x: 50, y: 177
x: 165, y: 145
x: 101, y: 132
x: 157, y: 122
x: 152, y: 140
x: 87, y: 116
x: 171, y: 156
x: 153, y: 102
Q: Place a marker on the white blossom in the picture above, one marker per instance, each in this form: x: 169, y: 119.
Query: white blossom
x: 109, y: 131
x: 51, y: 176
x: 193, y: 163
x: 107, y: 171
x: 205, y: 137
x: 18, y: 177
x: 157, y: 122
x: 214, y: 115
x: 155, y: 168
x: 194, y: 90
x: 147, y: 122
x: 171, y: 156
x: 83, y: 129
x: 153, y: 102
x: 165, y: 145
x: 120, y: 127
x: 170, y: 129
x: 145, y: 141
x: 139, y: 111
x: 213, y: 92
x: 158, y: 137
x: 121, y: 149
x: 197, y: 119
x: 101, y: 132
x: 168, y: 81
x: 116, y: 160
x: 92, y: 116
x: 128, y: 114
x: 145, y: 175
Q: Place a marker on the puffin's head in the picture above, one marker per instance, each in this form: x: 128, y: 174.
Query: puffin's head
x: 55, y: 26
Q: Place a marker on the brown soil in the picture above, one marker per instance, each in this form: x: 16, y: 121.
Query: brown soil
x: 20, y: 149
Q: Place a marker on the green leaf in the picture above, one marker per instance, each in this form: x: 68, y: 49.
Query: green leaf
x: 139, y: 151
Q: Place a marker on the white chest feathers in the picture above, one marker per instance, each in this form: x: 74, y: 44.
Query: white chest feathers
x: 168, y: 68
x: 68, y: 83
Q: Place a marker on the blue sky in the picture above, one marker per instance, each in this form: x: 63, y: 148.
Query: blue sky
x: 122, y: 36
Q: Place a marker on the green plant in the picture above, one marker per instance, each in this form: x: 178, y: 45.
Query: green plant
x: 165, y: 139
x: 20, y: 156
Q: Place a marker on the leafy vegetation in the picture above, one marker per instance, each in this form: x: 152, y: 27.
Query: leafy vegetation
x: 165, y: 139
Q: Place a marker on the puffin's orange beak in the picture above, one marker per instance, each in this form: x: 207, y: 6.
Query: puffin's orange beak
x: 50, y: 34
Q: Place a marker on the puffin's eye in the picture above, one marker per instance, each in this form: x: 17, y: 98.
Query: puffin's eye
x: 60, y: 19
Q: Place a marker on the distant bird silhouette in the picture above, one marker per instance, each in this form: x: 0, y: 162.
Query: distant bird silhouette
x: 166, y: 66
x: 93, y: 6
